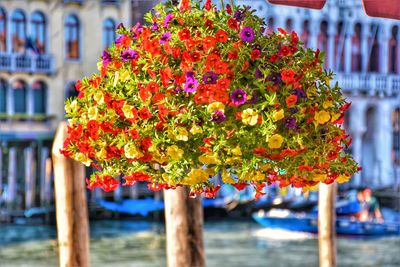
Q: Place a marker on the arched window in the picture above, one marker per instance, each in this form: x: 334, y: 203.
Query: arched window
x: 305, y: 32
x: 108, y: 32
x: 323, y: 39
x: 19, y: 90
x: 18, y: 31
x: 39, y: 90
x: 356, y: 49
x: 394, y: 51
x: 3, y: 29
x: 396, y: 137
x: 38, y: 32
x: 3, y: 96
x: 71, y: 90
x: 373, y: 65
x: 289, y: 25
x: 339, y: 47
x: 72, y: 32
x: 270, y: 25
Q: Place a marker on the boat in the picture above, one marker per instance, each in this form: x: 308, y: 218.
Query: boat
x: 308, y: 222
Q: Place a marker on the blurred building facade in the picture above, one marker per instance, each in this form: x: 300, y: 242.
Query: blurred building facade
x: 45, y: 46
x: 364, y: 52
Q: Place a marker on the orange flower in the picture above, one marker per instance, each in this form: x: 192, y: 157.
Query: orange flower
x: 221, y: 36
x: 209, y: 42
x: 288, y: 76
x: 291, y: 100
x: 184, y: 34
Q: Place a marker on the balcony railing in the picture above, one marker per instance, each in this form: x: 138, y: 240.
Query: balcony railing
x: 369, y: 84
x: 110, y: 2
x: 11, y: 62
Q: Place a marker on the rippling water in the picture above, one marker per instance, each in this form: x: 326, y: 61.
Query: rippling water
x: 233, y: 244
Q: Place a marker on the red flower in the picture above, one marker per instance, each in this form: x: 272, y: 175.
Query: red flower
x: 274, y: 58
x: 285, y: 50
x: 108, y: 183
x: 209, y: 24
x: 229, y: 9
x: 223, y: 83
x: 295, y: 39
x: 144, y: 93
x: 221, y: 67
x: 255, y: 54
x: 126, y: 41
x: 259, y: 151
x: 240, y: 186
x: 222, y: 36
x: 305, y: 168
x: 233, y: 24
x: 136, y: 177
x: 93, y: 128
x: 288, y: 76
x: 207, y: 6
x: 211, y: 192
x: 107, y: 127
x: 233, y: 54
x: 153, y: 87
x: 291, y: 100
x: 209, y: 42
x: 146, y: 143
x: 145, y: 114
x: 184, y: 34
x: 195, y: 57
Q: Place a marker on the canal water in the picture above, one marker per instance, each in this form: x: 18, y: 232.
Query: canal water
x: 232, y: 244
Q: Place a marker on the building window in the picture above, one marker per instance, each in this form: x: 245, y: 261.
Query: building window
x: 3, y: 30
x: 3, y: 96
x: 356, y: 49
x: 289, y: 25
x: 305, y: 33
x: 339, y: 47
x: 270, y: 25
x: 373, y: 65
x: 38, y: 33
x: 19, y: 90
x: 108, y: 33
x: 323, y: 40
x: 18, y: 31
x: 72, y: 32
x: 71, y: 90
x: 39, y: 90
x: 396, y: 137
x: 394, y: 51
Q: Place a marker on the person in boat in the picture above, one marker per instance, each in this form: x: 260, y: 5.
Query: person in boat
x: 363, y: 214
x: 374, y: 211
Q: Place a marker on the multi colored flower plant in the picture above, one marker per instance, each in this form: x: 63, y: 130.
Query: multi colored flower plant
x: 199, y: 92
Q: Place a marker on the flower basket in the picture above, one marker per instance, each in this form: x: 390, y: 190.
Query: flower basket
x: 199, y: 92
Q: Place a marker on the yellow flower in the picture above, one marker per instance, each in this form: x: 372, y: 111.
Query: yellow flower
x: 319, y: 177
x: 196, y: 176
x: 310, y: 188
x: 226, y: 178
x: 92, y: 113
x: 174, y: 152
x: 131, y: 151
x: 237, y: 151
x: 249, y: 117
x: 127, y: 109
x: 82, y: 158
x: 265, y: 167
x: 196, y: 129
x: 125, y: 76
x: 342, y: 179
x: 181, y: 134
x: 215, y: 106
x: 279, y: 115
x: 335, y: 117
x: 275, y: 141
x: 322, y: 116
x: 209, y: 158
x: 327, y: 104
x: 116, y: 77
x: 101, y: 154
x: 231, y: 160
x: 159, y: 157
x: 71, y: 107
x: 98, y: 97
x: 252, y: 176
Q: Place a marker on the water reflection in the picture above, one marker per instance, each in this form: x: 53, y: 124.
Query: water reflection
x: 233, y: 244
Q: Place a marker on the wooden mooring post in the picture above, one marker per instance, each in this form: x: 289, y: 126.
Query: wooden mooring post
x: 71, y: 206
x: 184, y: 226
x: 327, y: 225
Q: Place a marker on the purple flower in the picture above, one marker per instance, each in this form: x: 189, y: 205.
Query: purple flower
x: 189, y: 75
x: 191, y: 85
x: 275, y: 78
x: 247, y: 34
x: 291, y: 123
x: 128, y: 55
x: 106, y: 57
x: 238, y: 97
x: 299, y: 93
x: 293, y: 110
x: 119, y: 39
x: 154, y: 27
x: 167, y: 20
x: 239, y: 15
x: 165, y: 38
x: 218, y: 116
x: 258, y: 74
x: 210, y: 77
x: 120, y: 26
x: 253, y: 99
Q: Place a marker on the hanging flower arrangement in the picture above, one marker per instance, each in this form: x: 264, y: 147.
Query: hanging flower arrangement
x: 199, y: 92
